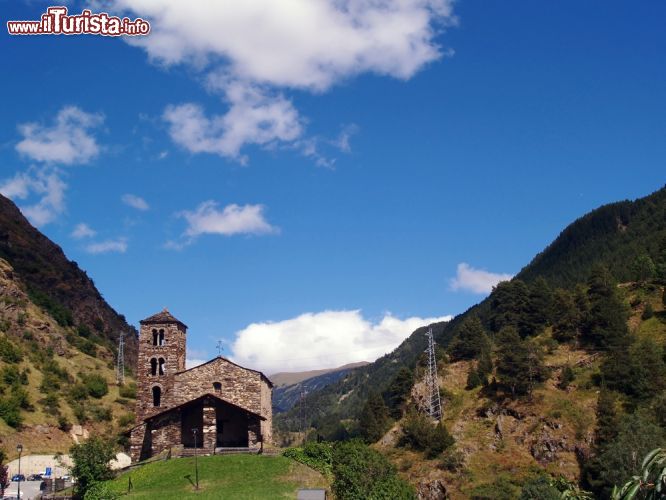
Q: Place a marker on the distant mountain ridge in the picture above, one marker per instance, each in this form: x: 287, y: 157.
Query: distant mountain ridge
x: 289, y: 385
x: 288, y: 378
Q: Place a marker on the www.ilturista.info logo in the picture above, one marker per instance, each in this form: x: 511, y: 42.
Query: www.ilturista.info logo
x: 56, y: 21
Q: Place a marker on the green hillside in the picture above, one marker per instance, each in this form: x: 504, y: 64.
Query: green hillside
x: 614, y: 235
x: 560, y: 371
x: 57, y: 346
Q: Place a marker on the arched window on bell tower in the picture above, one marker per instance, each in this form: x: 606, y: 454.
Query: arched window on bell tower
x: 162, y: 364
x: 157, y: 396
x: 155, y: 336
x: 161, y: 341
x: 153, y: 366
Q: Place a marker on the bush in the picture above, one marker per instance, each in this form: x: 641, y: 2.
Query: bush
x: 473, y: 379
x: 101, y: 413
x: 319, y: 456
x: 126, y: 419
x: 419, y: 434
x: 648, y: 312
x: 127, y: 391
x: 100, y: 491
x: 362, y: 473
x: 95, y: 385
x: 566, y: 378
x: 539, y: 487
x: 91, y: 464
x: 452, y: 460
x: 10, y: 413
x: 9, y: 353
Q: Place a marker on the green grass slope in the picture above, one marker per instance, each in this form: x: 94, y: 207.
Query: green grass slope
x: 234, y: 477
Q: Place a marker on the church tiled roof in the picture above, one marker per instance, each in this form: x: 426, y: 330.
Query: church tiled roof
x: 164, y: 316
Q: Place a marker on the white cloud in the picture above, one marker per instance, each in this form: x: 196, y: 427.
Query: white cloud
x: 82, y: 230
x: 118, y: 245
x: 67, y: 141
x: 135, y: 202
x: 194, y: 358
x: 252, y: 50
x: 47, y: 184
x: 321, y: 340
x: 309, y: 44
x: 476, y: 280
x: 233, y: 219
x: 253, y: 118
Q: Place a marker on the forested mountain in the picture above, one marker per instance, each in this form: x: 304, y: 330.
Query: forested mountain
x: 57, y: 345
x: 559, y: 372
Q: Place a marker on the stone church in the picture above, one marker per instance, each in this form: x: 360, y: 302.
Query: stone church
x: 218, y: 403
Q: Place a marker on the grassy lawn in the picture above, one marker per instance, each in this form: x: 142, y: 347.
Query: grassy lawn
x: 221, y: 477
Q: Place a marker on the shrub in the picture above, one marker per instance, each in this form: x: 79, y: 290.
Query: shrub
x: 473, y: 379
x: 78, y: 392
x: 95, y: 385
x: 100, y: 491
x: 126, y: 419
x: 9, y: 353
x: 539, y: 487
x: 88, y: 347
x: 419, y: 434
x: 360, y: 472
x: 566, y: 378
x: 91, y: 463
x: 64, y: 424
x: 648, y: 312
x: 50, y: 404
x: 10, y: 412
x: 127, y: 391
x: 319, y: 456
x: 452, y: 460
x: 101, y: 413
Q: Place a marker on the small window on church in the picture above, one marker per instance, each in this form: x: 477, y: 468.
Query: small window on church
x: 157, y: 396
x: 155, y: 337
x: 162, y: 363
x: 161, y: 337
x: 217, y: 387
x: 153, y: 366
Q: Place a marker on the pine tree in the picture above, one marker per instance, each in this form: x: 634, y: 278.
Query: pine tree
x: 607, y: 419
x: 374, y: 418
x: 473, y: 379
x: 566, y: 314
x: 519, y: 363
x: 606, y: 323
x: 540, y: 306
x: 643, y: 268
x: 470, y: 341
x: 485, y: 365
x: 398, y: 392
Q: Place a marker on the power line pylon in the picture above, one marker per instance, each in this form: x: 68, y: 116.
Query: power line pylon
x: 120, y: 364
x: 434, y: 404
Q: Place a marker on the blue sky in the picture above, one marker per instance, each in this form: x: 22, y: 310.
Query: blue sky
x: 307, y: 189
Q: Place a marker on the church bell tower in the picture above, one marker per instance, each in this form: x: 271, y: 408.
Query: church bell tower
x: 162, y: 341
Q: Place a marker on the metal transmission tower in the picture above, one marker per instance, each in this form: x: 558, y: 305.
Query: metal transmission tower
x: 120, y: 364
x: 302, y: 410
x: 432, y: 385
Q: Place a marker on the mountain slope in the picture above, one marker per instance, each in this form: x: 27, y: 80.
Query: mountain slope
x: 614, y: 234
x: 57, y: 284
x: 289, y: 378
x: 289, y: 386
